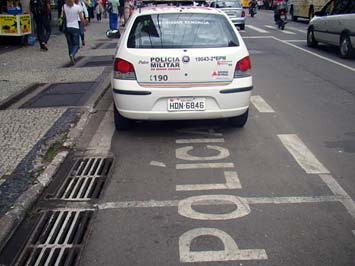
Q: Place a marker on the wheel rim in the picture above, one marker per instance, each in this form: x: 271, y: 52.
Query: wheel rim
x: 344, y: 48
x: 310, y: 36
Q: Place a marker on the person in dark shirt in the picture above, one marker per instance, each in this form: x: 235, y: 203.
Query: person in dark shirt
x: 41, y: 10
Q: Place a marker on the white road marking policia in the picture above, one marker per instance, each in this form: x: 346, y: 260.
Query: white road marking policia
x: 230, y: 251
x: 261, y: 105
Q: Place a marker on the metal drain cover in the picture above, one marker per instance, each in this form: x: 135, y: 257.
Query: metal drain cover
x: 62, y: 94
x: 84, y: 181
x: 97, y: 61
x: 57, y: 239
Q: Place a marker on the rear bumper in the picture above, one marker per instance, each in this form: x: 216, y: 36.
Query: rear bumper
x: 136, y: 102
x: 238, y: 21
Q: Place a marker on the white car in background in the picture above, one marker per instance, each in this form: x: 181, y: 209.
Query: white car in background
x: 181, y: 63
x: 334, y: 24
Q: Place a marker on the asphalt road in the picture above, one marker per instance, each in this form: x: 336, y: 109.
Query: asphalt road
x: 277, y: 192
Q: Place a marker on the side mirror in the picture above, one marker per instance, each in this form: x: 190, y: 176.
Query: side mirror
x: 113, y: 34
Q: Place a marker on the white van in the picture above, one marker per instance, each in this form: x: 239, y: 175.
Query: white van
x: 334, y: 24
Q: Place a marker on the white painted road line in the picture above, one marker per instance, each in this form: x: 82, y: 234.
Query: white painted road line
x: 339, y: 192
x: 296, y: 41
x: 200, y: 132
x: 303, y: 156
x: 204, y: 165
x: 295, y: 29
x: 261, y: 105
x: 283, y: 31
x: 256, y: 29
x: 257, y: 37
x: 188, y: 141
x: 317, y: 55
x: 232, y: 182
x: 250, y: 200
x: 159, y: 164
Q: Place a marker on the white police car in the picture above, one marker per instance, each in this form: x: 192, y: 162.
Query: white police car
x: 181, y: 63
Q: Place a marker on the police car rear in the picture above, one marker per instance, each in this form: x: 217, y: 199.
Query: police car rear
x: 181, y: 63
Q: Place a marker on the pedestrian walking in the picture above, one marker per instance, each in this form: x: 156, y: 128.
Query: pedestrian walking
x: 121, y: 12
x: 113, y: 14
x: 85, y: 14
x: 41, y: 10
x: 72, y: 33
x: 98, y: 10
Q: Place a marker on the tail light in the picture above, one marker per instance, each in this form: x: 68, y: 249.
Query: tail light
x: 242, y: 68
x: 282, y: 12
x: 243, y: 13
x: 123, y: 69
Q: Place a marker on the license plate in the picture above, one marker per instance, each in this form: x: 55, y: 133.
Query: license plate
x: 186, y: 104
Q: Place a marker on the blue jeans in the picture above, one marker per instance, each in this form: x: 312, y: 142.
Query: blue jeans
x: 73, y: 39
x: 113, y: 21
x: 82, y: 33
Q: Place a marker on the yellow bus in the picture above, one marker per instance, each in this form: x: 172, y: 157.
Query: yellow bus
x: 245, y: 3
x: 304, y: 8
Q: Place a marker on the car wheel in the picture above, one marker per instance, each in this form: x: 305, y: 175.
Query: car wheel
x: 121, y: 123
x: 345, y: 48
x: 239, y: 121
x: 242, y: 26
x: 311, y: 41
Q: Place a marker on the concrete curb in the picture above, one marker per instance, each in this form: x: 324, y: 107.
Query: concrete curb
x: 14, y: 217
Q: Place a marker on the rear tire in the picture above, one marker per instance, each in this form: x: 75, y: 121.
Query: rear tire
x: 239, y: 121
x: 121, y: 123
x: 242, y: 26
x: 311, y: 41
x: 345, y: 48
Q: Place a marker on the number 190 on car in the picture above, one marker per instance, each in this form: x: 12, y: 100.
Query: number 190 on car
x: 186, y: 104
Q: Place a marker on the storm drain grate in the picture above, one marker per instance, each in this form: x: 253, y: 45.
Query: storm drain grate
x: 85, y: 180
x: 57, y: 239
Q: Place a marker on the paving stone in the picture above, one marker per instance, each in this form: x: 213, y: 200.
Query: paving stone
x: 20, y: 130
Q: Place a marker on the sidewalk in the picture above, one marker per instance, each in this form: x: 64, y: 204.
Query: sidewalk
x: 23, y: 132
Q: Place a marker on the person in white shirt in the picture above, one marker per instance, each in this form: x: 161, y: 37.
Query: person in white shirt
x: 85, y: 13
x: 72, y: 13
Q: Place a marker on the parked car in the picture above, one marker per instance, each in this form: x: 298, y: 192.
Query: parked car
x: 181, y: 63
x: 233, y: 9
x: 334, y: 24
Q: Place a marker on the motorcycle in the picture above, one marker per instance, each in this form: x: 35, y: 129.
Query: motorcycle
x: 252, y: 10
x: 281, y: 19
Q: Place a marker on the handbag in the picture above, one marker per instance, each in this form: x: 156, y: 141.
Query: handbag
x: 62, y: 23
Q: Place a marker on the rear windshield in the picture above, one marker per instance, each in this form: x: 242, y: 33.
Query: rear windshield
x: 181, y: 31
x: 227, y: 4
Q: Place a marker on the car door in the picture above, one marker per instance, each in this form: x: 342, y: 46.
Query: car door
x: 320, y: 24
x: 336, y: 22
